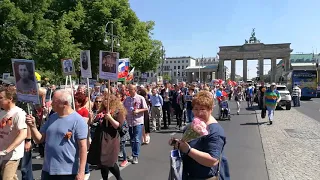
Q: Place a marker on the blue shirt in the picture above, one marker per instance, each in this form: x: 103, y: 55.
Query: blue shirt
x: 212, y: 144
x: 62, y: 154
x: 156, y: 100
x: 224, y: 104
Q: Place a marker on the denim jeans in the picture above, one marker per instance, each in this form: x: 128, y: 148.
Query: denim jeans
x: 123, y: 149
x: 190, y: 115
x: 270, y: 113
x: 135, y: 133
x: 87, y: 169
x: 296, y: 101
x: 26, y: 166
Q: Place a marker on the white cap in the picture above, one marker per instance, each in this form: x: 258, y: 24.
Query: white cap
x: 273, y: 84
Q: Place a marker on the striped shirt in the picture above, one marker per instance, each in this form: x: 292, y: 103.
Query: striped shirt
x: 132, y: 103
x: 271, y: 98
x: 296, y: 91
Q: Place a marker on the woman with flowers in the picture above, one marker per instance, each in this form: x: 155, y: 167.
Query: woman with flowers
x: 105, y: 145
x: 203, y: 157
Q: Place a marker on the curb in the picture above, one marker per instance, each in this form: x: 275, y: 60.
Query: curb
x: 258, y: 112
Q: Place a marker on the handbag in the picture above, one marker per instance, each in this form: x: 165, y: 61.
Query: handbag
x: 94, y: 154
x: 176, y: 165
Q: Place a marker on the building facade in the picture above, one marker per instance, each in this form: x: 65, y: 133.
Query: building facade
x: 185, y: 68
x: 298, y: 61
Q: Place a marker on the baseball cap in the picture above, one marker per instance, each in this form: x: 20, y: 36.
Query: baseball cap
x: 273, y: 84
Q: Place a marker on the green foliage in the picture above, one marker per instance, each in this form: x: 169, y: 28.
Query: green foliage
x: 166, y: 77
x: 49, y: 30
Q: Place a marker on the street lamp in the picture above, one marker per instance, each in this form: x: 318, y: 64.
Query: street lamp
x: 111, y: 35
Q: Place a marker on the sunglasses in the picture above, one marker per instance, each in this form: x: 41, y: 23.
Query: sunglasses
x: 98, y: 101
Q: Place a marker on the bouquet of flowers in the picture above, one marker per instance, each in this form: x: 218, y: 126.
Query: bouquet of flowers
x: 197, y: 129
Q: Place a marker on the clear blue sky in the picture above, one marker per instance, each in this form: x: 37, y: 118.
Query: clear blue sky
x: 196, y: 28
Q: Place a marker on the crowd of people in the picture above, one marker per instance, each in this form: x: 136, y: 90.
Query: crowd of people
x: 103, y: 120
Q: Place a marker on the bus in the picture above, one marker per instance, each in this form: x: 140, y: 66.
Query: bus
x: 306, y: 80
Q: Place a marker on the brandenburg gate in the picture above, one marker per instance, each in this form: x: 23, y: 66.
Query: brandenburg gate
x: 254, y: 50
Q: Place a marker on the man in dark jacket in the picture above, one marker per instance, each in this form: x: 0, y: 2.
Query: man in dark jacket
x: 166, y: 94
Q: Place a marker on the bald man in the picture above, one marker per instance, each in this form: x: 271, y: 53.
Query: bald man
x: 65, y: 134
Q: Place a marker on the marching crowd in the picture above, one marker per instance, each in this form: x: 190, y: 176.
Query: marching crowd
x: 103, y: 120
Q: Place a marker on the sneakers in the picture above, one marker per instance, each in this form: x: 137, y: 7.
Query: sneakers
x: 120, y: 154
x: 86, y: 176
x: 124, y: 163
x: 135, y: 160
x: 270, y: 122
x: 147, y: 139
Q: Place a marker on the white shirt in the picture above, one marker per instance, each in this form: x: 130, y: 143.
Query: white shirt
x: 9, y: 133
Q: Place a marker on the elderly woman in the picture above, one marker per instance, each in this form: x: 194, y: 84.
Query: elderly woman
x: 203, y: 158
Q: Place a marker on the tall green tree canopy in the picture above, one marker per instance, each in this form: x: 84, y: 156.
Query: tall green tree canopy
x: 49, y: 30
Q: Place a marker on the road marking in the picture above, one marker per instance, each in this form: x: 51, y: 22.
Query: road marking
x: 172, y: 134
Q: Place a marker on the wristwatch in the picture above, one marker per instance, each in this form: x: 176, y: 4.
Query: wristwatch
x: 27, y: 140
x: 5, y: 152
x: 188, y: 150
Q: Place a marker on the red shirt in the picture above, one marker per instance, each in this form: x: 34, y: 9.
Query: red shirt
x: 83, y: 112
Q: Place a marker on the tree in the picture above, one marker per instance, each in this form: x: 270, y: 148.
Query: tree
x: 135, y: 36
x: 149, y: 59
x: 49, y: 30
x: 166, y: 77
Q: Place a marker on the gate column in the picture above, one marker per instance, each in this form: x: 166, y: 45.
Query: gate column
x: 233, y: 69
x: 245, y: 70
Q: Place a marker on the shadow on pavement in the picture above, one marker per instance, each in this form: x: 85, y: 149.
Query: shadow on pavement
x: 36, y: 167
x: 242, y: 114
x: 253, y: 124
x: 169, y: 131
x: 253, y: 108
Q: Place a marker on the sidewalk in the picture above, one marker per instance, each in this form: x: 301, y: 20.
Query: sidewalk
x: 291, y: 145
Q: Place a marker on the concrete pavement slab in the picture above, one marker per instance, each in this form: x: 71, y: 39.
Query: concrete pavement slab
x: 292, y: 146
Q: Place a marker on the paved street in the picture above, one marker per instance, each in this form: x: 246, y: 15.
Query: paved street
x: 243, y: 149
x: 310, y: 108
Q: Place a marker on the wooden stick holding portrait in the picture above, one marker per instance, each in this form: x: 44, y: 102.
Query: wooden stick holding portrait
x: 72, y: 92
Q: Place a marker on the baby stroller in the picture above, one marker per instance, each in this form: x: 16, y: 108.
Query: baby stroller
x: 225, y: 111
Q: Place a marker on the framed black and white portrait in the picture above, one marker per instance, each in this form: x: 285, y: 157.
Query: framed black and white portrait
x: 85, y: 64
x: 108, y: 65
x: 26, y: 83
x: 67, y: 66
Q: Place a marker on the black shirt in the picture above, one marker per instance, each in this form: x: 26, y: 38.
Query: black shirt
x: 260, y: 89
